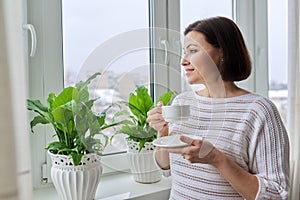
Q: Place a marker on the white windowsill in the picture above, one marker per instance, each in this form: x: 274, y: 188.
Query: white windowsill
x: 118, y: 187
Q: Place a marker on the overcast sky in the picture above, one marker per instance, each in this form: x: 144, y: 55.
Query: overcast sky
x: 89, y: 23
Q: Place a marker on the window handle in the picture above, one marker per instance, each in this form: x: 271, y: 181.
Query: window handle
x: 165, y: 45
x: 31, y: 29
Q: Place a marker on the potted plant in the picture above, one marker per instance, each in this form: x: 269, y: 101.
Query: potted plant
x: 76, y: 166
x: 140, y: 134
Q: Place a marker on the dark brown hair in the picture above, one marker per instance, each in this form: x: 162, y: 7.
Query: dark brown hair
x: 223, y: 33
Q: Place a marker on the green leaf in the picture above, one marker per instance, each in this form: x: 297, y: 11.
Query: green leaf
x: 62, y: 115
x: 137, y: 131
x: 165, y: 98
x: 101, y: 120
x: 128, y: 130
x: 55, y: 147
x: 141, y: 144
x: 83, y: 87
x: 141, y: 100
x: 121, y: 113
x: 93, y: 123
x: 84, y: 95
x: 81, y: 125
x: 66, y: 96
x: 94, y: 145
x: 38, y: 120
x: 105, y: 126
x: 38, y: 107
x: 50, y: 100
x: 137, y: 116
x: 76, y: 158
x: 60, y: 131
x: 70, y: 129
x: 90, y: 103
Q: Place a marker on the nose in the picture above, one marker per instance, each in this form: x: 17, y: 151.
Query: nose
x: 185, y: 62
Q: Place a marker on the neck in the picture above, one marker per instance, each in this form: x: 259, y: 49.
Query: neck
x: 221, y: 89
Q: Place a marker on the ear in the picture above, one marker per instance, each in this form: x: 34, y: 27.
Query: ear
x: 220, y: 53
x: 221, y: 56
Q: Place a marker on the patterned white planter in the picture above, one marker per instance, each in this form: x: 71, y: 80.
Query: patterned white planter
x: 76, y: 182
x: 142, y: 163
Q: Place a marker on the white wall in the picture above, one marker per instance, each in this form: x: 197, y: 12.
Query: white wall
x: 15, y: 177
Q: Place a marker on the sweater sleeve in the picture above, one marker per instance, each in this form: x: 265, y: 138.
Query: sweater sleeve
x: 165, y: 172
x: 269, y: 150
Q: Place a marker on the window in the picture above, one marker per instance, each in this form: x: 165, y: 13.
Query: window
x: 192, y: 10
x: 100, y: 36
x: 278, y: 62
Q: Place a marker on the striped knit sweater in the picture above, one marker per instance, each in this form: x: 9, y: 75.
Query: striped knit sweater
x: 248, y: 129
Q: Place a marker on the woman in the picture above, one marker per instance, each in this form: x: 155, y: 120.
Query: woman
x: 250, y: 154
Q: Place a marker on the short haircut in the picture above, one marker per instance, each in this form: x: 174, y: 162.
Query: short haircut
x: 223, y: 33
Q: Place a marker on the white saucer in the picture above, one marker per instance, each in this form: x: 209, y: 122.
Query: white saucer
x: 172, y: 141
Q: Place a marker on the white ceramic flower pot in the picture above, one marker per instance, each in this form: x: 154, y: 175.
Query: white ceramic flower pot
x: 142, y: 163
x: 76, y: 182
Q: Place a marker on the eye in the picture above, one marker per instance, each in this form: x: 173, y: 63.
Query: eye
x: 193, y: 51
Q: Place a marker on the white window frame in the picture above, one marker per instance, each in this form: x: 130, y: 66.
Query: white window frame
x: 165, y: 39
x: 45, y: 69
x: 47, y: 61
x: 252, y: 18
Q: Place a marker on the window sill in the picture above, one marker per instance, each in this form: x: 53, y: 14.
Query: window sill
x: 118, y: 187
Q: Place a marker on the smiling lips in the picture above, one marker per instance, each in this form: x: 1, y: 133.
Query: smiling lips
x: 189, y: 70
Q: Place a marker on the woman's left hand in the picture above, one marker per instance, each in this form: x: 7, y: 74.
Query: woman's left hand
x: 198, y: 151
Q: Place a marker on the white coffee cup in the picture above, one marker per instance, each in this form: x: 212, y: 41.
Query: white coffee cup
x: 176, y: 113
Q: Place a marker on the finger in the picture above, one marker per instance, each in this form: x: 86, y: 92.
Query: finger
x: 186, y: 139
x: 157, y: 126
x: 159, y: 104
x: 148, y: 119
x: 154, y: 110
x: 157, y: 117
x: 205, y: 148
x: 157, y: 123
x: 177, y: 150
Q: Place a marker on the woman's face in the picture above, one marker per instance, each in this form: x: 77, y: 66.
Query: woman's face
x: 200, y: 59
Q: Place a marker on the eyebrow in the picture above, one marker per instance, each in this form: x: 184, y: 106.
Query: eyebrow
x: 192, y: 44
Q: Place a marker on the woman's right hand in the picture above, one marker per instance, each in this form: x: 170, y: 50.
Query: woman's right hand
x: 156, y: 120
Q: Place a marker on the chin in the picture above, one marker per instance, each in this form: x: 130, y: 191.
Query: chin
x: 194, y: 79
x: 194, y: 82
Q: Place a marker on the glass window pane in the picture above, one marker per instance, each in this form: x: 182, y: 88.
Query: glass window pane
x: 193, y: 10
x: 94, y: 33
x: 278, y: 63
